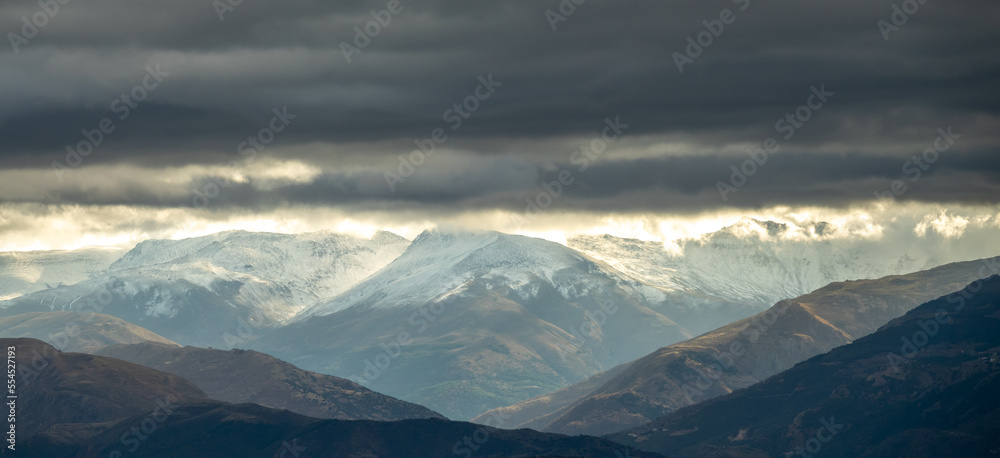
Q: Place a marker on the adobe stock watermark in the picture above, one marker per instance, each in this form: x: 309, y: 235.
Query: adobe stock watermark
x: 136, y: 435
x: 823, y: 435
x: 590, y: 326
x: 123, y: 106
x: 91, y: 305
x: 565, y: 9
x: 930, y: 328
x: 454, y: 117
x: 364, y: 34
x: 290, y: 449
x: 918, y: 164
x: 248, y: 150
x: 694, y: 390
x: 469, y: 445
x: 899, y: 17
x: 419, y: 321
x: 714, y: 28
x: 31, y: 27
x: 581, y: 158
x: 789, y: 125
x: 224, y: 7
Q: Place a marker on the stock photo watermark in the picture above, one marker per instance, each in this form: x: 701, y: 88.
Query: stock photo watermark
x: 123, y: 106
x: 918, y: 164
x: 565, y: 9
x: 694, y: 390
x: 899, y: 17
x: 551, y: 190
x: 823, y: 435
x: 714, y: 28
x: 789, y: 125
x: 454, y: 117
x: 419, y: 321
x: 31, y: 27
x: 136, y: 435
x: 364, y: 34
x: 247, y: 149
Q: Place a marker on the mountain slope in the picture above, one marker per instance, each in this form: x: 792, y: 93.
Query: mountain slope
x: 55, y: 387
x: 743, y: 353
x: 720, y: 277
x: 26, y: 272
x: 928, y: 385
x: 213, y: 429
x: 463, y: 322
x: 220, y: 289
x: 240, y: 376
x: 77, y: 332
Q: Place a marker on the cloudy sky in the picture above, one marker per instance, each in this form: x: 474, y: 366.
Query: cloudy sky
x: 123, y: 120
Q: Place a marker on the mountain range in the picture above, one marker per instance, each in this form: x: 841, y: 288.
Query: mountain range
x: 924, y: 385
x: 737, y: 355
x: 79, y: 405
x: 461, y: 322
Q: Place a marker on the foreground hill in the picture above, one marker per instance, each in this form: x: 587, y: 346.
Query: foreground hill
x: 77, y: 405
x: 79, y: 332
x: 240, y: 376
x: 54, y: 387
x: 925, y: 385
x: 743, y: 353
x: 213, y: 430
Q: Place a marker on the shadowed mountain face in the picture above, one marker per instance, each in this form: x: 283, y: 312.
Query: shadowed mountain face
x: 741, y: 354
x: 211, y: 429
x: 466, y: 322
x: 925, y: 385
x: 81, y: 332
x: 77, y: 405
x: 241, y: 376
x: 55, y: 387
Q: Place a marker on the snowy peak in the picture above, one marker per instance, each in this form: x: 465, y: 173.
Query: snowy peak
x: 752, y: 262
x: 30, y: 271
x: 439, y: 263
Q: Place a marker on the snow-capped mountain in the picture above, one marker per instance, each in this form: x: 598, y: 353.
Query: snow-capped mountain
x: 29, y: 271
x: 282, y: 273
x: 487, y: 317
x: 220, y: 289
x: 752, y: 262
x: 440, y: 263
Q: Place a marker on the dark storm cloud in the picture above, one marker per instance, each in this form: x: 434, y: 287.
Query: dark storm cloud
x: 673, y: 185
x: 608, y: 58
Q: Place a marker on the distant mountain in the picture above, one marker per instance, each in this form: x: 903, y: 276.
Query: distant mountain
x: 714, y: 279
x: 218, y: 290
x: 925, y: 385
x: 26, y: 272
x: 79, y: 332
x: 740, y: 354
x: 485, y: 319
x: 214, y: 429
x: 53, y: 387
x: 240, y: 376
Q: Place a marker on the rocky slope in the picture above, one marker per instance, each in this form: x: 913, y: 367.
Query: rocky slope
x: 78, y: 332
x: 745, y: 352
x: 54, y: 387
x: 241, y: 376
x: 925, y: 385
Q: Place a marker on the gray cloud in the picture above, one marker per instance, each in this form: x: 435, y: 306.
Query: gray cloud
x: 608, y: 58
